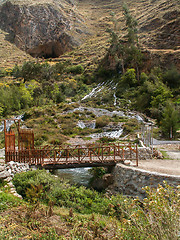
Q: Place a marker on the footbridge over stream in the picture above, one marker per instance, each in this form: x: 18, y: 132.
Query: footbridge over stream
x: 64, y: 156
x: 75, y: 156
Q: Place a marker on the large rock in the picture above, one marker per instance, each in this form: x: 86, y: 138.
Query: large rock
x: 4, y: 174
x: 102, y: 183
x: 45, y: 28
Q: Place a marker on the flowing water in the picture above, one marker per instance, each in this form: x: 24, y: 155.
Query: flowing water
x: 9, y: 123
x: 80, y: 176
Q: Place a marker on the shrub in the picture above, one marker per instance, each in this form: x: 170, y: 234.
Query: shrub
x: 172, y: 78
x: 107, y: 139
x: 102, y: 121
x: 76, y: 69
x: 130, y: 126
x: 157, y: 219
x: 30, y: 70
x: 25, y: 180
x: 97, y: 172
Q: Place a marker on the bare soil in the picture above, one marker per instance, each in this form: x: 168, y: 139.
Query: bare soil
x: 170, y: 167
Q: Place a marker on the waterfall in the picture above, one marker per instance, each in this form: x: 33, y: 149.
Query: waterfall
x: 10, y: 122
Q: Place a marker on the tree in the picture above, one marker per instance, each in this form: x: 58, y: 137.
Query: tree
x: 30, y: 70
x: 131, y: 24
x: 169, y: 123
x: 129, y: 78
x: 125, y: 50
x: 172, y: 78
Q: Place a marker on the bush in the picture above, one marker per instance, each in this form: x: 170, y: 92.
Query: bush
x: 23, y: 181
x: 76, y: 69
x: 172, y: 78
x: 107, y: 139
x: 130, y: 126
x: 102, y: 121
x: 83, y: 200
x: 30, y: 70
x: 156, y: 217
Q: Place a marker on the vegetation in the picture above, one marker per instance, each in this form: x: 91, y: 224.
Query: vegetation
x: 39, y: 84
x: 42, y: 85
x: 7, y: 200
x: 116, y: 217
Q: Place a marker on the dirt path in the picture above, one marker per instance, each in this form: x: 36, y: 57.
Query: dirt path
x: 170, y: 167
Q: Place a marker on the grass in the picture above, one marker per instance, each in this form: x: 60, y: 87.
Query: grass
x: 7, y: 200
x: 165, y: 155
x: 10, y: 54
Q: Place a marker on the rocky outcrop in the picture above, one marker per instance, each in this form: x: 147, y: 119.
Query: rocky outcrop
x: 46, y: 28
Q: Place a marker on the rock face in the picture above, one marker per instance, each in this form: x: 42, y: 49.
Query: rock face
x: 45, y: 28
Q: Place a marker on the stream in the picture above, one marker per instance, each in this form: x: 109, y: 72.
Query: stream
x: 79, y: 176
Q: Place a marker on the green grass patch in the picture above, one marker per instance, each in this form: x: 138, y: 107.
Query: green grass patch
x: 165, y: 155
x: 7, y: 200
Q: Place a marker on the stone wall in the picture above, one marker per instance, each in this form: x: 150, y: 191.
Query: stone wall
x: 130, y: 180
x: 144, y: 153
x: 7, y: 172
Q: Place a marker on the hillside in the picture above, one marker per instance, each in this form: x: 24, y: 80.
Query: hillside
x: 51, y: 28
x: 72, y: 58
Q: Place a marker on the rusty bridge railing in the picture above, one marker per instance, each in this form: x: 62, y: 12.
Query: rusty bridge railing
x: 75, y: 155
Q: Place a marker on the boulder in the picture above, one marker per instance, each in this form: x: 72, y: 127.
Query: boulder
x: 4, y: 174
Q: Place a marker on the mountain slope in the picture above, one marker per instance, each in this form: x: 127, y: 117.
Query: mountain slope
x: 50, y: 28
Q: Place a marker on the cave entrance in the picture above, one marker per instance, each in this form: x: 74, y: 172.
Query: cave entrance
x: 48, y: 50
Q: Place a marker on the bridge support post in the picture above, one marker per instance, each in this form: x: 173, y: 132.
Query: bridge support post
x: 123, y: 154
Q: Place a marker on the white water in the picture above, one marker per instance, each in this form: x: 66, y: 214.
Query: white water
x: 115, y: 99
x: 95, y: 90
x: 75, y: 175
x: 86, y: 124
x: 111, y: 134
x: 9, y: 123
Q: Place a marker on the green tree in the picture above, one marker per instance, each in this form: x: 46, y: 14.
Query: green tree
x: 125, y: 50
x: 30, y: 70
x: 172, y: 78
x: 131, y: 24
x: 169, y: 123
x: 129, y: 78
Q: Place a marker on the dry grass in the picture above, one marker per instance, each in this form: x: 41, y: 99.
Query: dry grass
x: 96, y: 17
x: 10, y: 54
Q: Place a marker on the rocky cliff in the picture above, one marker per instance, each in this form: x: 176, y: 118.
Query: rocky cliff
x: 49, y: 28
x: 42, y: 28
